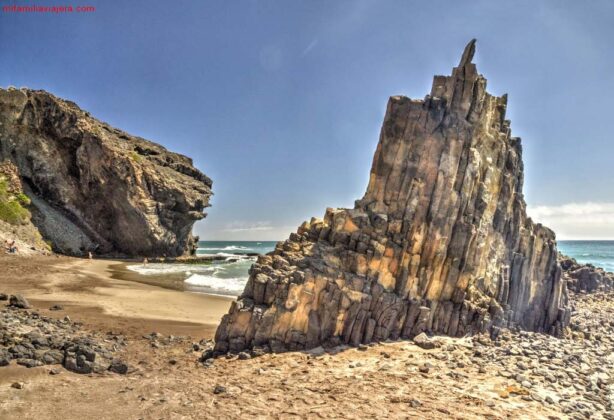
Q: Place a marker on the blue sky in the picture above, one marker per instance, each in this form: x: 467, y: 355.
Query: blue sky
x: 281, y: 102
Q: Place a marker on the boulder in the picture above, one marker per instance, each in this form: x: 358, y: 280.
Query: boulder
x: 5, y: 357
x: 18, y: 301
x: 119, y: 366
x: 440, y: 242
x: 423, y: 341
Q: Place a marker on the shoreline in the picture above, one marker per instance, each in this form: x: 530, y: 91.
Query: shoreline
x: 471, y: 377
x: 103, y: 294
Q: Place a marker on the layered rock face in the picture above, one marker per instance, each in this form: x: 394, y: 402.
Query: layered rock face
x: 94, y: 187
x: 439, y: 243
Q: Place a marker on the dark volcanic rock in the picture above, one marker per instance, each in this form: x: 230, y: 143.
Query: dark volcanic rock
x: 439, y: 243
x: 585, y: 278
x: 18, y: 301
x: 34, y: 340
x: 94, y: 187
x: 5, y: 357
x: 118, y: 366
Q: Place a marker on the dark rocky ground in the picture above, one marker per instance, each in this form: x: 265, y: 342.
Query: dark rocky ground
x: 33, y: 340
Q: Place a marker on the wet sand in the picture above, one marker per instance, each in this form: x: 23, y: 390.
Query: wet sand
x: 105, y: 294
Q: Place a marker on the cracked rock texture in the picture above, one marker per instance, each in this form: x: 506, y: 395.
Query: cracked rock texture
x: 440, y: 242
x: 94, y: 187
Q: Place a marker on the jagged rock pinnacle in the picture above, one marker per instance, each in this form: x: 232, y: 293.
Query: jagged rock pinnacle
x: 468, y: 53
x: 439, y: 243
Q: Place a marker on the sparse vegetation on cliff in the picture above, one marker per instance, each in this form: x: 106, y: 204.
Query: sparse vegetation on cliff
x: 12, y: 208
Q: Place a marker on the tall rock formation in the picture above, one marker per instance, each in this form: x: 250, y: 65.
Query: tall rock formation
x: 94, y: 187
x: 440, y: 242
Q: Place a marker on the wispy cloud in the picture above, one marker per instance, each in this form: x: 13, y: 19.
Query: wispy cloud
x: 239, y: 226
x: 589, y: 220
x: 309, y: 47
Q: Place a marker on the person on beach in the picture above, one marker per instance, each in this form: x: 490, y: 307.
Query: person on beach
x: 145, y: 261
x: 11, y: 248
x: 89, y: 255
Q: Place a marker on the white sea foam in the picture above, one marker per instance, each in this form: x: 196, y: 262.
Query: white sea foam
x: 231, y: 286
x: 226, y: 248
x: 162, y: 268
x: 226, y: 254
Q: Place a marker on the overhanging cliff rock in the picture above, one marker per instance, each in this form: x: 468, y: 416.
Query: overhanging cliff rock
x: 94, y: 187
x: 440, y: 242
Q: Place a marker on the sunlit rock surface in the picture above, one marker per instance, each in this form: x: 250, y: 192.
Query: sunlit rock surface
x: 94, y: 187
x: 439, y: 243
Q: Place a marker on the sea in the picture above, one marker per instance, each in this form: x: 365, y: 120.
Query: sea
x: 598, y: 253
x: 228, y: 276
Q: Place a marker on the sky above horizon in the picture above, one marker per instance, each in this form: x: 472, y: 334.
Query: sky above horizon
x: 281, y: 103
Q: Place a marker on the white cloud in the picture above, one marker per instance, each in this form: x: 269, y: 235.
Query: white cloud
x: 242, y: 230
x: 239, y: 226
x: 587, y: 220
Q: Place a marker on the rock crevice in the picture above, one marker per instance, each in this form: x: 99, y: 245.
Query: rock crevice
x: 439, y: 243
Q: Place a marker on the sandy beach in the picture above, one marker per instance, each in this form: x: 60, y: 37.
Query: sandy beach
x: 104, y: 294
x: 166, y: 380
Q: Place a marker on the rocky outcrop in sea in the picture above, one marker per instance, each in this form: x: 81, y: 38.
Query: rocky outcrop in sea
x: 95, y: 188
x: 440, y: 242
x: 585, y: 278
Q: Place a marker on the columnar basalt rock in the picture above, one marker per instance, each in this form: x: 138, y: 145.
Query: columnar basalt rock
x: 94, y: 187
x: 439, y: 243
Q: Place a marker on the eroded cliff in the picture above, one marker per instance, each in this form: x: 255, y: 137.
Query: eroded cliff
x: 440, y: 242
x: 94, y: 187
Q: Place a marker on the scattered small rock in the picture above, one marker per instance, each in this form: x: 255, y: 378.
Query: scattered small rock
x: 18, y: 385
x: 219, y: 389
x: 207, y: 354
x: 118, y: 366
x: 423, y: 341
x: 414, y: 403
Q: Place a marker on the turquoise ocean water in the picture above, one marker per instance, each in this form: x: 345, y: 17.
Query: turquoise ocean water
x: 224, y: 277
x: 229, y: 275
x: 235, y: 247
x: 598, y: 253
